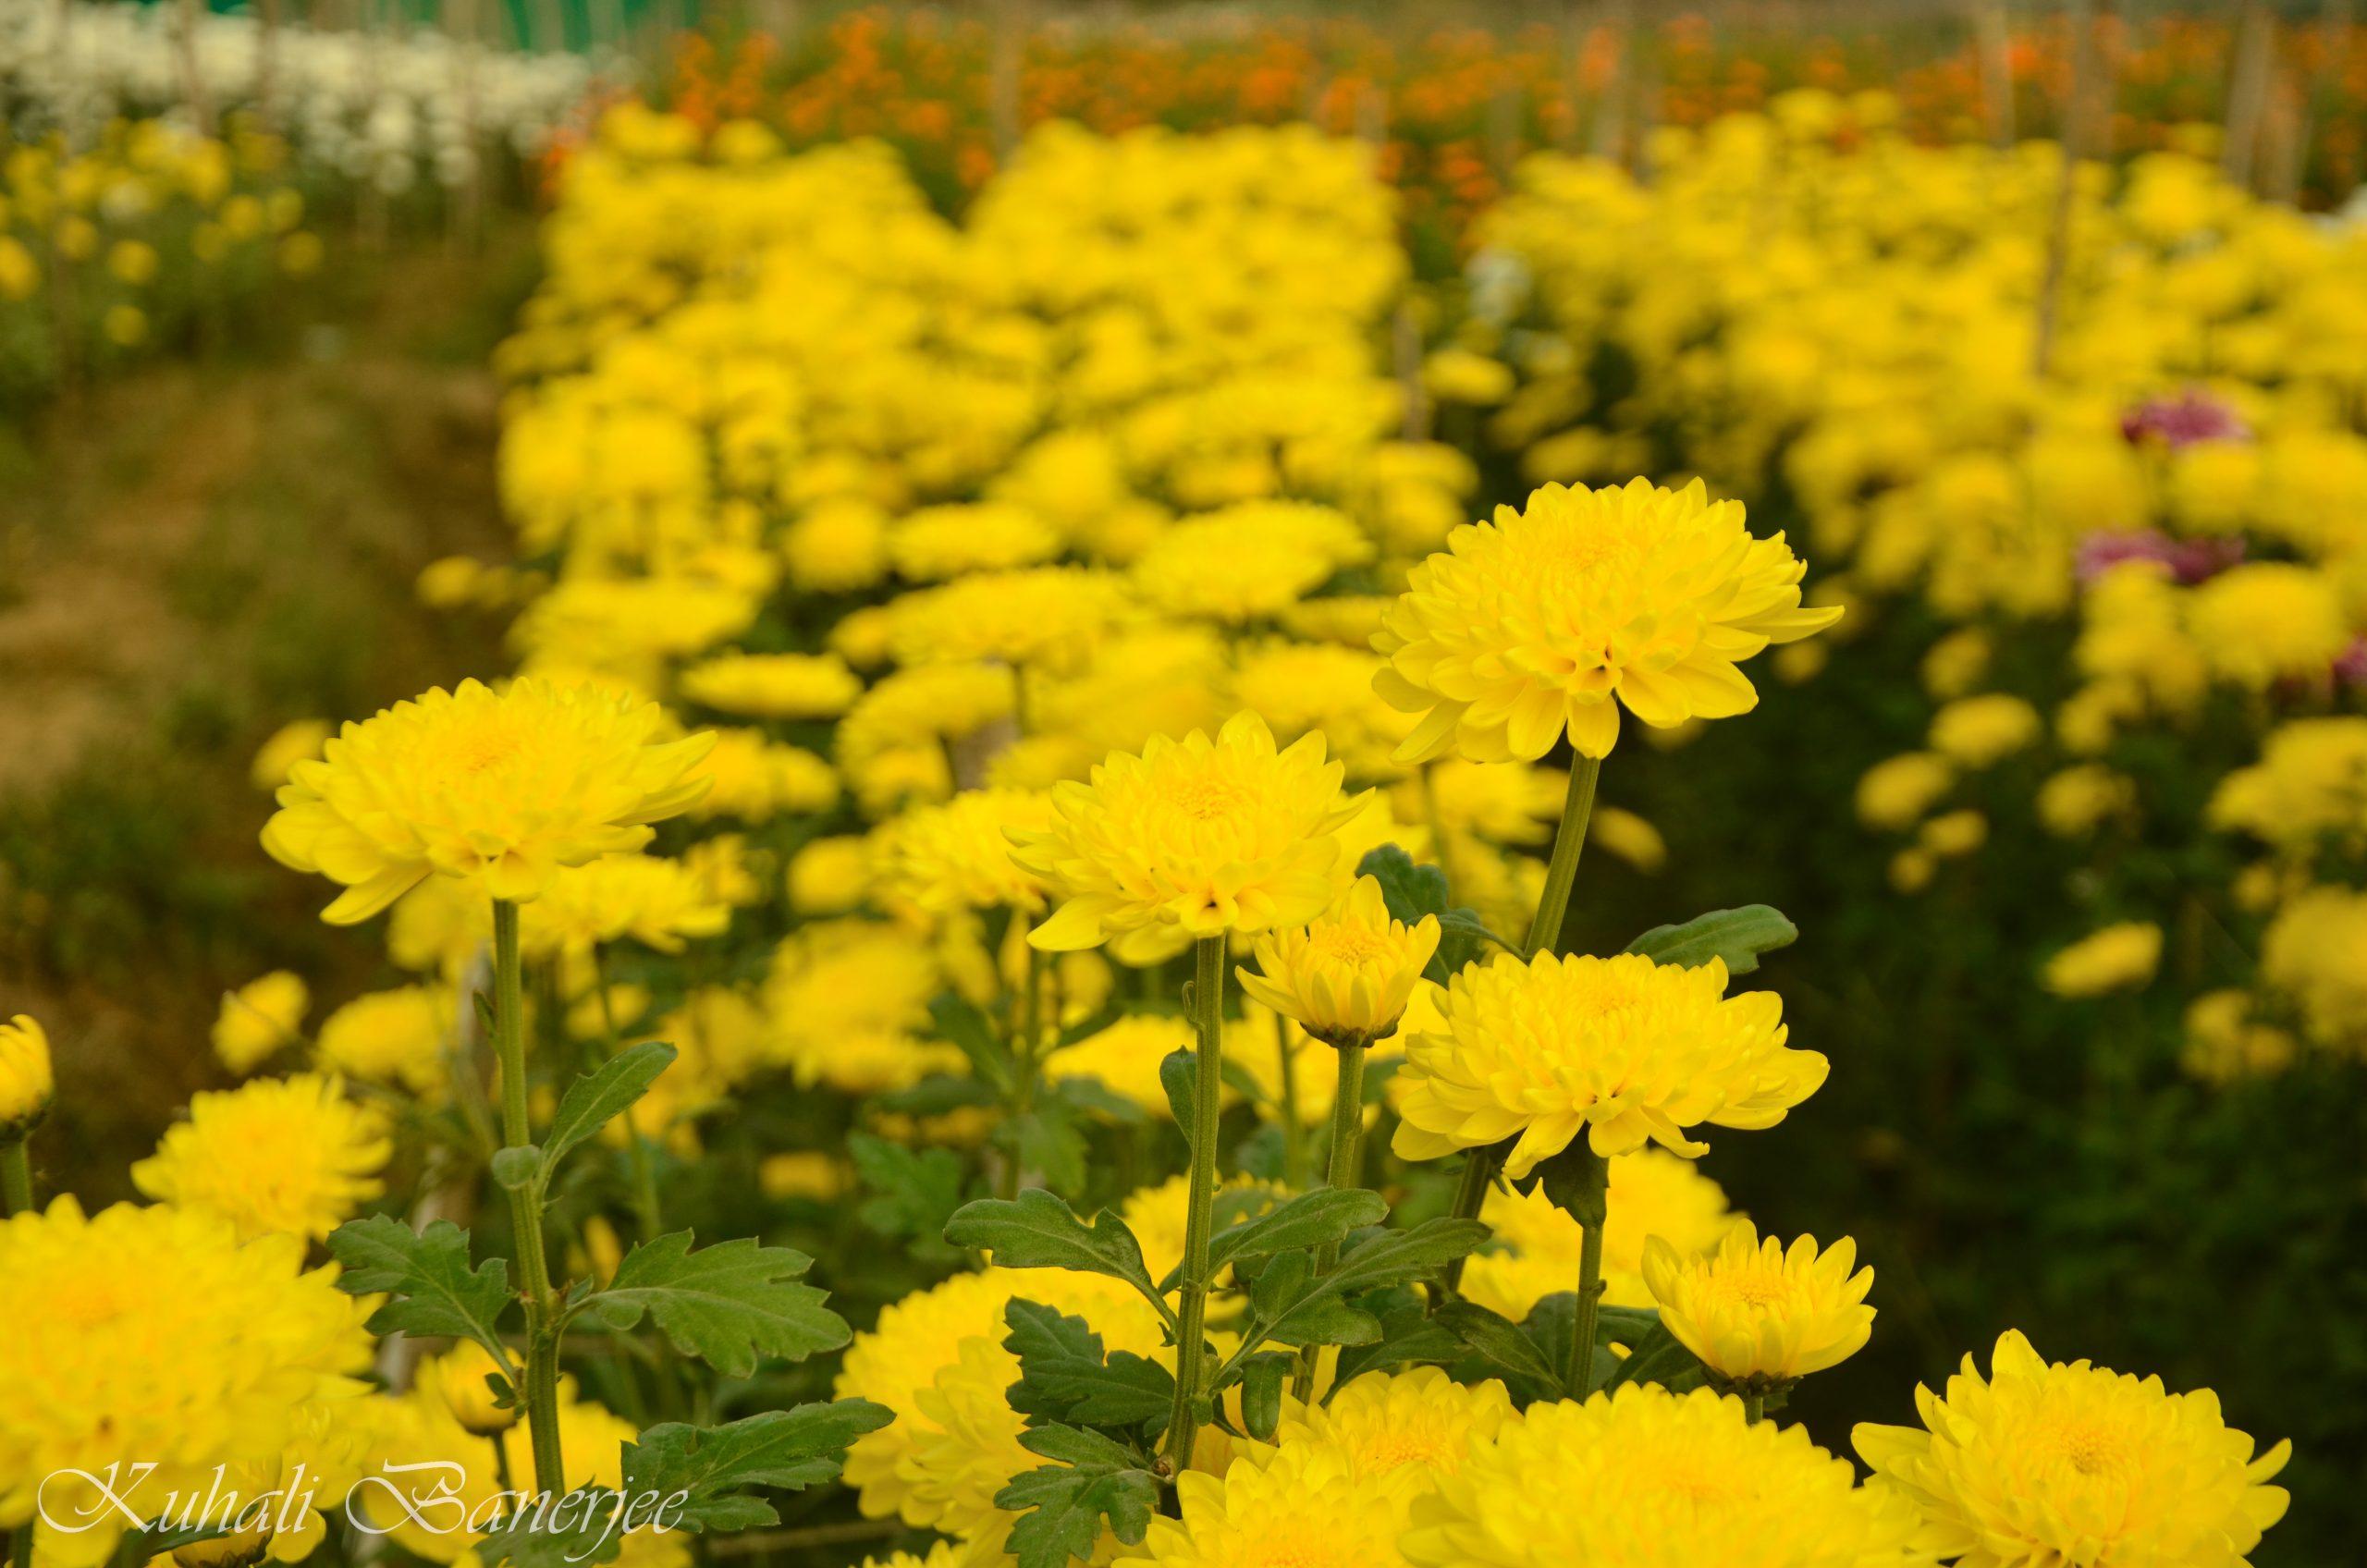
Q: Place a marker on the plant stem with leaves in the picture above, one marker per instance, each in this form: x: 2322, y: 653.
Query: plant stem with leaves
x: 1191, y: 1352
x: 526, y: 1207
x: 1344, y: 1164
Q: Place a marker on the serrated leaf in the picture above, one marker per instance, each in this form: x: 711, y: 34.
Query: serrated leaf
x: 600, y: 1097
x: 1310, y: 1220
x: 1037, y: 1230
x: 1408, y: 1335
x: 1499, y: 1340
x: 1061, y: 1505
x: 778, y: 1450
x: 1065, y: 1375
x: 730, y: 1305
x: 427, y: 1276
x: 1295, y: 1312
x: 913, y: 1192
x: 1737, y: 936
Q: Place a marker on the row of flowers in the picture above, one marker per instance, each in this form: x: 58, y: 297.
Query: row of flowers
x: 1023, y: 777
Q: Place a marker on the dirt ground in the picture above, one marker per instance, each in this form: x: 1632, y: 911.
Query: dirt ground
x: 190, y: 557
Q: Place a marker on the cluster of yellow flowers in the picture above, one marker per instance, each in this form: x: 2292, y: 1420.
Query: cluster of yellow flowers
x: 936, y: 642
x: 104, y: 249
x: 1857, y: 332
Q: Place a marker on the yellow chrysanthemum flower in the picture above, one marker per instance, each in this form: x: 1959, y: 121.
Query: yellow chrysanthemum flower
x: 1893, y: 794
x: 297, y: 740
x: 2269, y: 622
x: 831, y: 874
x: 1398, y: 1433
x: 1248, y: 562
x: 773, y: 685
x: 290, y: 1155
x: 1303, y: 1507
x: 658, y: 902
x: 2315, y: 953
x: 1649, y: 1479
x: 2083, y: 797
x: 1124, y: 1057
x: 2118, y: 958
x: 1195, y: 837
x: 108, y: 1362
x: 1535, y: 1248
x: 507, y: 785
x: 1981, y: 731
x: 1347, y: 977
x: 848, y: 1000
x: 1048, y: 618
x: 937, y: 543
x: 756, y: 778
x: 397, y: 1038
x: 1623, y: 1049
x: 2043, y: 1464
x: 2225, y: 1044
x: 459, y: 1378
x: 1758, y: 1313
x: 1531, y: 625
x: 259, y: 1018
x: 28, y: 1079
x: 958, y: 855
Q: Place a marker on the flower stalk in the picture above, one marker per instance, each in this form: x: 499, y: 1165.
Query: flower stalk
x: 526, y: 1207
x: 1191, y: 1351
x: 16, y: 1178
x: 1544, y: 932
x: 1344, y: 1166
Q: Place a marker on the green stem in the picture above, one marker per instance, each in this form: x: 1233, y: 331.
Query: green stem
x: 15, y: 1197
x: 1478, y: 1174
x: 1027, y: 1058
x: 526, y: 1208
x: 1342, y: 1171
x: 1293, y: 1146
x: 1579, y: 1373
x: 1754, y: 1407
x: 644, y: 1171
x: 1553, y: 907
x: 1191, y: 1347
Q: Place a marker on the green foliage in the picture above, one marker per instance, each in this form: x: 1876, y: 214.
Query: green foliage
x: 729, y: 1305
x: 1292, y: 1305
x: 1039, y: 1230
x: 913, y: 1192
x: 426, y: 1277
x: 1062, y: 1505
x: 1065, y: 1377
x: 1737, y: 936
x: 600, y: 1097
x: 1412, y: 891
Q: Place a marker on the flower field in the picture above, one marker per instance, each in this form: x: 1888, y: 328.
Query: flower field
x: 1274, y: 796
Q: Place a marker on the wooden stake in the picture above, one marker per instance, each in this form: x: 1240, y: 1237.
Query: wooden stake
x: 2082, y: 19
x: 1994, y: 41
x: 2248, y: 87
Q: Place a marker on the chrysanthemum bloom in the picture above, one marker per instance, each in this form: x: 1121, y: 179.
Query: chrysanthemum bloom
x: 773, y: 685
x: 28, y: 1082
x: 1536, y: 1250
x: 290, y: 1155
x: 658, y: 902
x: 396, y: 1038
x: 2117, y: 957
x: 1649, y: 1479
x: 1125, y: 1058
x: 1347, y: 977
x: 1532, y: 625
x: 2226, y: 1044
x: 1248, y: 562
x: 958, y: 855
x: 1397, y: 1433
x: 291, y: 743
x: 1981, y: 731
x: 1623, y: 1049
x: 107, y: 1360
x: 1759, y: 1314
x: 1048, y: 618
x: 458, y: 1377
x: 848, y: 1001
x: 2041, y: 1465
x: 2314, y: 953
x: 2269, y: 622
x: 507, y: 785
x: 2081, y: 798
x: 259, y: 1018
x: 1197, y: 836
x: 1306, y: 1507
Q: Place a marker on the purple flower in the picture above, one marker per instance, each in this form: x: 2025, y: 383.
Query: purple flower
x: 2192, y: 415
x: 2188, y: 560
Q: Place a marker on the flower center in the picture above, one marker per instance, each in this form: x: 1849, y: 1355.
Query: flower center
x: 1353, y: 945
x: 2091, y: 1447
x: 1205, y: 800
x: 1751, y: 1287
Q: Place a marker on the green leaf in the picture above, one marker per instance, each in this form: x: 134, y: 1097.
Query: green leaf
x: 1037, y: 1230
x: 1294, y: 1308
x: 1295, y: 1312
x: 426, y: 1275
x: 1499, y: 1340
x: 1092, y: 1094
x: 779, y: 1450
x: 1412, y: 891
x: 962, y: 1024
x: 1047, y: 1139
x: 1065, y: 1375
x: 1179, y: 1074
x: 1061, y: 1505
x: 914, y: 1191
x: 937, y: 1094
x: 1262, y: 1377
x: 600, y: 1097
x: 730, y: 1305
x: 1310, y: 1220
x: 1660, y: 1358
x: 1408, y: 1335
x: 1738, y: 935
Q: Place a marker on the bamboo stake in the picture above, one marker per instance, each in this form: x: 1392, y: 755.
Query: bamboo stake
x: 1992, y: 41
x: 2082, y: 18
x: 1006, y: 62
x: 1610, y: 108
x: 2248, y: 88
